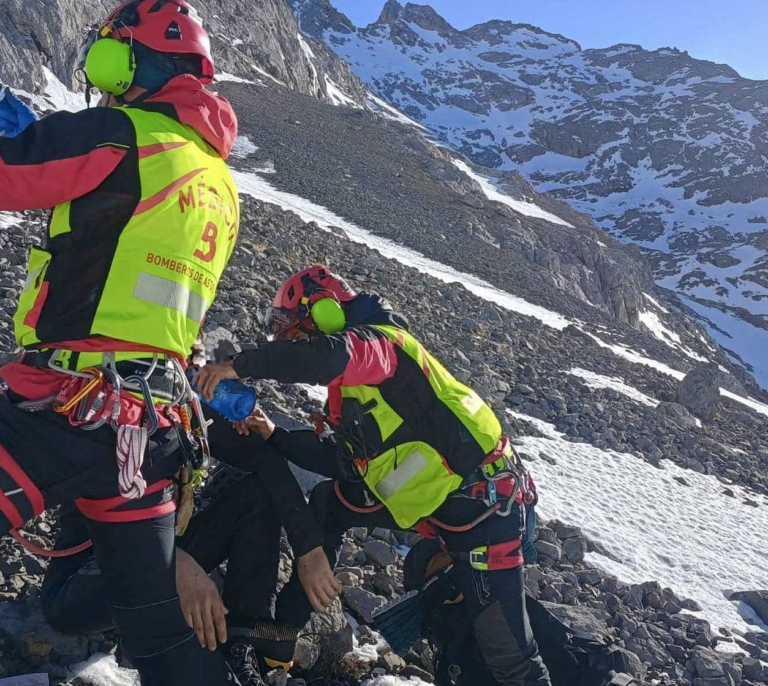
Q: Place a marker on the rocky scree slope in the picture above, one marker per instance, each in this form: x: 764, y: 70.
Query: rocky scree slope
x: 384, y: 176
x: 661, y: 149
x: 253, y: 40
x: 515, y: 363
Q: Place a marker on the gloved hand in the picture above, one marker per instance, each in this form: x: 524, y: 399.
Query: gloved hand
x: 15, y: 116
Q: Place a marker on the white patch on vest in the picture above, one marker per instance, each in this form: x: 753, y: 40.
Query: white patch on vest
x: 155, y: 289
x: 472, y: 402
x: 397, y: 478
x: 31, y: 277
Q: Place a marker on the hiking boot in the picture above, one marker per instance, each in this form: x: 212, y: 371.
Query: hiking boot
x: 244, y: 662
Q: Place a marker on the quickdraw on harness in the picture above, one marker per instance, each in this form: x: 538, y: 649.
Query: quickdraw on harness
x: 97, y: 396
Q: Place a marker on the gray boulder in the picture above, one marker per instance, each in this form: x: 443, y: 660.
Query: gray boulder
x: 757, y: 600
x: 678, y: 414
x: 699, y: 391
x: 379, y: 553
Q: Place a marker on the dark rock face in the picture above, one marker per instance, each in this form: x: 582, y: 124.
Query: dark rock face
x: 250, y: 39
x: 699, y: 391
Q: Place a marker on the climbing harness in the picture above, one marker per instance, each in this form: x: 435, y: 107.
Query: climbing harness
x: 94, y: 397
x: 489, y: 558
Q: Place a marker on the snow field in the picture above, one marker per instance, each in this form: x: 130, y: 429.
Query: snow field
x: 692, y: 538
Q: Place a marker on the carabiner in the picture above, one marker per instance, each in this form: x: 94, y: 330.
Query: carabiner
x: 506, y: 511
x: 110, y: 405
x: 153, y: 421
x: 84, y: 392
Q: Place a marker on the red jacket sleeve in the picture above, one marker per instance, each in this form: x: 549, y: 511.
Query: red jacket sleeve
x: 360, y: 356
x: 62, y: 157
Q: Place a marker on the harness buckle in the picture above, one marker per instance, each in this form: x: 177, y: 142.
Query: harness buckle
x: 497, y: 556
x: 478, y: 558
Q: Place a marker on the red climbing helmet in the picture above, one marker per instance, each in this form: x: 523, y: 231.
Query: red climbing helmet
x: 292, y: 308
x: 168, y: 26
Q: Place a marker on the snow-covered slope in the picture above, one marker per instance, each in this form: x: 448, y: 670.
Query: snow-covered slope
x: 661, y: 149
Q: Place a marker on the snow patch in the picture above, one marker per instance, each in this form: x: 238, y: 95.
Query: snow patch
x: 225, y: 76
x: 694, y: 539
x: 243, y: 147
x: 655, y: 303
x: 311, y: 60
x: 594, y: 380
x: 388, y: 680
x: 60, y: 96
x: 317, y: 393
x: 338, y: 97
x: 492, y: 193
x: 8, y: 219
x: 637, y: 358
x: 390, y: 112
x: 653, y: 323
x: 255, y: 186
x: 103, y: 670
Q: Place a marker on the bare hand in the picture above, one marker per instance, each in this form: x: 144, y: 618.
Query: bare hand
x: 257, y: 423
x: 210, y: 375
x: 317, y: 578
x: 201, y: 603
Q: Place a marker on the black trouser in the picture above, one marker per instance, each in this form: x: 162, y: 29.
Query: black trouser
x: 237, y: 526
x: 137, y: 559
x: 494, y: 602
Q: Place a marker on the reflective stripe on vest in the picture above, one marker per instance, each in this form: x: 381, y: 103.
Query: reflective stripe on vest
x: 170, y: 256
x: 155, y: 289
x: 406, y: 470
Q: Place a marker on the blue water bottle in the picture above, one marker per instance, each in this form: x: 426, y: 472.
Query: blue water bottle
x: 232, y: 398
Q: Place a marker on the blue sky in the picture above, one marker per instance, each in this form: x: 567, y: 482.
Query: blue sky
x: 731, y: 31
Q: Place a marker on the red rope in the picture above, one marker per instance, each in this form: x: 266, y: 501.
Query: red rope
x: 42, y: 552
x: 355, y: 508
x: 467, y: 527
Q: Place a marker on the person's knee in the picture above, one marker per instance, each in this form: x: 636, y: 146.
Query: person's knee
x: 249, y: 496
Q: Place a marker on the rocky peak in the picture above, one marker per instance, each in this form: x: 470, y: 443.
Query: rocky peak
x: 659, y: 66
x: 497, y: 30
x: 425, y: 17
x: 390, y: 13
x: 316, y: 16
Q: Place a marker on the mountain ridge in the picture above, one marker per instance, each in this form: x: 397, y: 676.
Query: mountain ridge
x: 661, y: 149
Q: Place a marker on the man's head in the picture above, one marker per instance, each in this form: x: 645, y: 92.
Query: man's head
x: 144, y: 44
x: 311, y: 302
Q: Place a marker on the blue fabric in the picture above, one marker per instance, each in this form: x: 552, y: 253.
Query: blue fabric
x: 153, y: 69
x: 15, y: 116
x: 530, y: 554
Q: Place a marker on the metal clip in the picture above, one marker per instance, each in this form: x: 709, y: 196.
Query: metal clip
x: 153, y: 421
x: 492, y: 496
x: 97, y: 378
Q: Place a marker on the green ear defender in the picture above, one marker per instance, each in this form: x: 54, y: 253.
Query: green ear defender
x: 111, y: 66
x: 328, y: 316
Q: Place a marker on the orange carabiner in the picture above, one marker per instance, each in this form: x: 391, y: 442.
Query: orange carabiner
x: 84, y: 392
